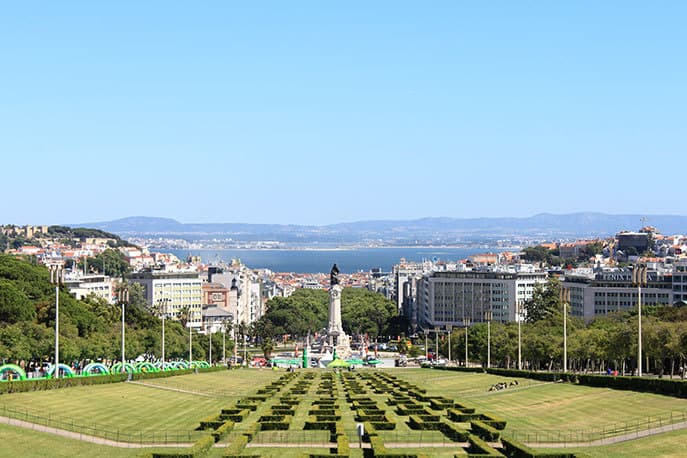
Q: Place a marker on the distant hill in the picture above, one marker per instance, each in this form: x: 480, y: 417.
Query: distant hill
x: 440, y: 230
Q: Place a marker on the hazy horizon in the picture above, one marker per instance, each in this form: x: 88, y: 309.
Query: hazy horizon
x: 318, y: 113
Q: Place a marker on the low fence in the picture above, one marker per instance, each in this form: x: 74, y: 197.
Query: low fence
x: 633, y: 428
x: 141, y: 437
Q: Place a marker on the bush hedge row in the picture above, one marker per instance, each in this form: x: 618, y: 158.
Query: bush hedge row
x: 484, y: 431
x: 219, y: 433
x: 515, y: 449
x: 479, y: 448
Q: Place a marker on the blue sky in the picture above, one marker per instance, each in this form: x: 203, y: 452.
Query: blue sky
x: 324, y: 112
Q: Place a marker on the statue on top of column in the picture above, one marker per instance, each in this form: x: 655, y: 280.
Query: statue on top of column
x: 334, y: 276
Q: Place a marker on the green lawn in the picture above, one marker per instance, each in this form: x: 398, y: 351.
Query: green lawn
x: 178, y: 403
x: 534, y: 406
x: 132, y: 410
x: 663, y: 445
x: 31, y: 444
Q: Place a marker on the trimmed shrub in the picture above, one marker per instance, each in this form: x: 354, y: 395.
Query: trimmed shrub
x: 493, y: 421
x: 460, y: 416
x: 479, y: 448
x: 274, y: 426
x: 236, y: 446
x: 342, y: 445
x: 222, y: 431
x: 210, y: 422
x: 515, y: 449
x: 484, y: 431
x: 385, y: 425
x: 265, y: 418
x: 321, y: 426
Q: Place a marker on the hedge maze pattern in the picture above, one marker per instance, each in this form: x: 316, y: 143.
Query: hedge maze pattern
x: 332, y: 403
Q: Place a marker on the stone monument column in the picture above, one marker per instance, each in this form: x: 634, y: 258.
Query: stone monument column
x: 337, y: 337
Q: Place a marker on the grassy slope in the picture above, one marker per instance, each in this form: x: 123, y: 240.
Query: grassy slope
x: 537, y: 405
x: 131, y: 407
x: 562, y: 406
x: 30, y: 444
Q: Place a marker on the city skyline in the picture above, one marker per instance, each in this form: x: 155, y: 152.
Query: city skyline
x: 319, y: 114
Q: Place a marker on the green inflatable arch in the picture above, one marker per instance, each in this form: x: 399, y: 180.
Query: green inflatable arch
x: 95, y: 369
x: 14, y: 369
x: 145, y: 366
x: 117, y: 368
x: 180, y: 365
x: 201, y: 364
x: 68, y: 372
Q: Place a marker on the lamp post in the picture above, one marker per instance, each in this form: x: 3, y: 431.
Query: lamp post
x: 436, y: 343
x: 210, y: 348
x: 449, y: 328
x: 427, y: 344
x: 56, y: 274
x: 518, y: 318
x: 467, y: 327
x: 190, y: 340
x: 224, y: 343
x: 123, y: 296
x: 488, y: 317
x: 565, y: 299
x: 162, y: 307
x: 639, y: 279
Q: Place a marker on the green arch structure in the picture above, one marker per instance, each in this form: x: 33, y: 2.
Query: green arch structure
x: 117, y: 368
x: 145, y: 366
x: 201, y: 364
x: 180, y: 365
x: 68, y: 372
x: 13, y: 368
x: 95, y: 369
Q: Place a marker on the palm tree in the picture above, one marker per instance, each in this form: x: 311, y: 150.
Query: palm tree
x: 267, y: 347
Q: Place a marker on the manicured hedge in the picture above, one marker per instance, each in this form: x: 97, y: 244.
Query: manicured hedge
x: 385, y: 425
x: 493, y: 421
x: 320, y: 425
x: 219, y: 433
x: 236, y: 446
x: 342, y: 445
x: 200, y: 448
x: 515, y: 449
x: 274, y: 426
x: 479, y: 448
x: 484, y: 431
x: 461, y: 416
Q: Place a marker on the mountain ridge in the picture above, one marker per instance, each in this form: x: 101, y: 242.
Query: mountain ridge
x: 570, y: 225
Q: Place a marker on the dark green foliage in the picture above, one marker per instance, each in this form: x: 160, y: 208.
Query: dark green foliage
x: 236, y: 446
x: 15, y: 305
x: 479, y: 448
x: 484, y: 431
x: 307, y: 310
x: 219, y: 433
x: 274, y: 426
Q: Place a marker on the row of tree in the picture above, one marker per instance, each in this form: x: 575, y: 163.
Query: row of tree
x: 609, y: 342
x: 89, y: 328
x: 307, y: 311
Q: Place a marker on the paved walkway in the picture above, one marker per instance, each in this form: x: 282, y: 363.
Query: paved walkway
x: 81, y: 436
x: 113, y: 443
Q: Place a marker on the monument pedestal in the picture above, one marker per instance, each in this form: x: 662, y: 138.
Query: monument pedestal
x: 338, y: 340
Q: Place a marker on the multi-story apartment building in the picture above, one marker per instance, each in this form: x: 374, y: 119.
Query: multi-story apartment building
x: 86, y: 285
x: 680, y: 282
x: 462, y: 298
x: 173, y: 294
x: 248, y: 288
x: 601, y: 292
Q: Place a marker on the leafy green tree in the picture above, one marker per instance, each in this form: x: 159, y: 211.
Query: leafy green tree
x: 15, y: 305
x: 545, y: 302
